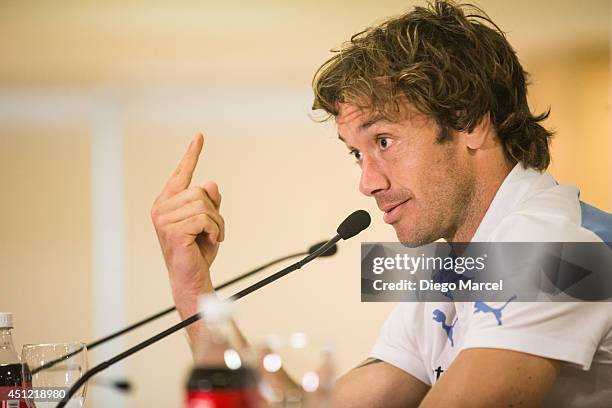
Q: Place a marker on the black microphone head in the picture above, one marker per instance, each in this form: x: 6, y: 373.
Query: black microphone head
x: 354, y: 224
x: 122, y: 385
x: 331, y: 251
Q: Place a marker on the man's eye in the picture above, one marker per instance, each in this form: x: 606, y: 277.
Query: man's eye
x: 384, y: 142
x: 356, y: 154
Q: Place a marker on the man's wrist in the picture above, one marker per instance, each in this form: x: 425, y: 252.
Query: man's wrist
x: 186, y: 300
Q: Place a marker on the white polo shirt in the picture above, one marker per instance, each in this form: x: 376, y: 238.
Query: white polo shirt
x: 528, y: 207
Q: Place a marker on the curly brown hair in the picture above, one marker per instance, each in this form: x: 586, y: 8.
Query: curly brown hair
x: 453, y: 63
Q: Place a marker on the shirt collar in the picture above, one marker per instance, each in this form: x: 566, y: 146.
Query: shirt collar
x: 517, y: 186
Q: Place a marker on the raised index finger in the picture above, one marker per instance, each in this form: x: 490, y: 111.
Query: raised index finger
x: 181, y: 178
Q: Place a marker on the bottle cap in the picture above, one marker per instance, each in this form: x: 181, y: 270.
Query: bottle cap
x: 6, y: 320
x: 214, y: 309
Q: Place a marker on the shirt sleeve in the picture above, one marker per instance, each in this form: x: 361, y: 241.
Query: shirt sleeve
x: 565, y: 331
x: 396, y: 343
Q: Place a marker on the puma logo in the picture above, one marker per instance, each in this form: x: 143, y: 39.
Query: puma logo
x: 497, y: 312
x: 440, y: 317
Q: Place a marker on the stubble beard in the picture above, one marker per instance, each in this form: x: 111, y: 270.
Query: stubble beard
x: 440, y: 215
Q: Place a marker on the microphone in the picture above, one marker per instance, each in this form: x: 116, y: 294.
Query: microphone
x: 354, y: 224
x: 351, y: 226
x: 331, y: 251
x: 120, y: 385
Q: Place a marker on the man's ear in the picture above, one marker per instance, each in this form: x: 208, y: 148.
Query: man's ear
x: 477, y: 138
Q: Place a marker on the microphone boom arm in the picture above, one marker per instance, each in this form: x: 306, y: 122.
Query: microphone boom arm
x: 164, y: 312
x: 190, y: 320
x: 351, y: 226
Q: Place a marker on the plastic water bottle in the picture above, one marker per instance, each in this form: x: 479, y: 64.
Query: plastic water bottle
x: 222, y: 376
x: 14, y: 376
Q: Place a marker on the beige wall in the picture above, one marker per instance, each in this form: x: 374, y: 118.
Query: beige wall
x: 286, y: 181
x: 576, y: 86
x: 45, y: 234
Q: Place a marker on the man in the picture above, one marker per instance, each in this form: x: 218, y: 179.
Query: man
x: 433, y: 107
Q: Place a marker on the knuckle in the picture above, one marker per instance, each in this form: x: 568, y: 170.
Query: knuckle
x: 197, y: 220
x: 200, y: 206
x: 155, y: 214
x: 160, y: 220
x: 211, y: 225
x: 197, y: 192
x: 205, y: 219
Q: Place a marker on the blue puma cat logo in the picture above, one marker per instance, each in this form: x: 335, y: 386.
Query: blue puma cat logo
x: 440, y: 317
x: 497, y: 312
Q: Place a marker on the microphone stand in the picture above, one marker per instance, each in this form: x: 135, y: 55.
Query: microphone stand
x: 351, y: 226
x: 190, y: 320
x: 164, y: 312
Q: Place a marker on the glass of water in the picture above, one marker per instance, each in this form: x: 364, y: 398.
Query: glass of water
x: 54, y: 368
x: 295, y: 370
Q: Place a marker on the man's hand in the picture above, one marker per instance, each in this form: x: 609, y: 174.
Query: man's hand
x: 189, y: 228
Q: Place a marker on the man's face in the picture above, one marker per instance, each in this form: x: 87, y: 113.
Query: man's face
x: 422, y: 186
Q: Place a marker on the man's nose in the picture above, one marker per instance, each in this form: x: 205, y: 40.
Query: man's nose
x: 372, y: 179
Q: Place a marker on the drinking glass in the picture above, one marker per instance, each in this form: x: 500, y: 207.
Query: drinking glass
x: 307, y: 374
x: 56, y: 366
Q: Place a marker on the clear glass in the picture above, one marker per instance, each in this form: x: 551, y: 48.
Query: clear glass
x: 70, y: 366
x: 296, y: 371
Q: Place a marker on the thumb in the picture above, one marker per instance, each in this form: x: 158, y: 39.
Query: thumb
x: 212, y: 189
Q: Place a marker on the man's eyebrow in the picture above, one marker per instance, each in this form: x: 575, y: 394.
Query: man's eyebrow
x: 373, y: 120
x: 344, y: 141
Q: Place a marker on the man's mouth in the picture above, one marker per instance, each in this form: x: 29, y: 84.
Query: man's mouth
x: 392, y: 212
